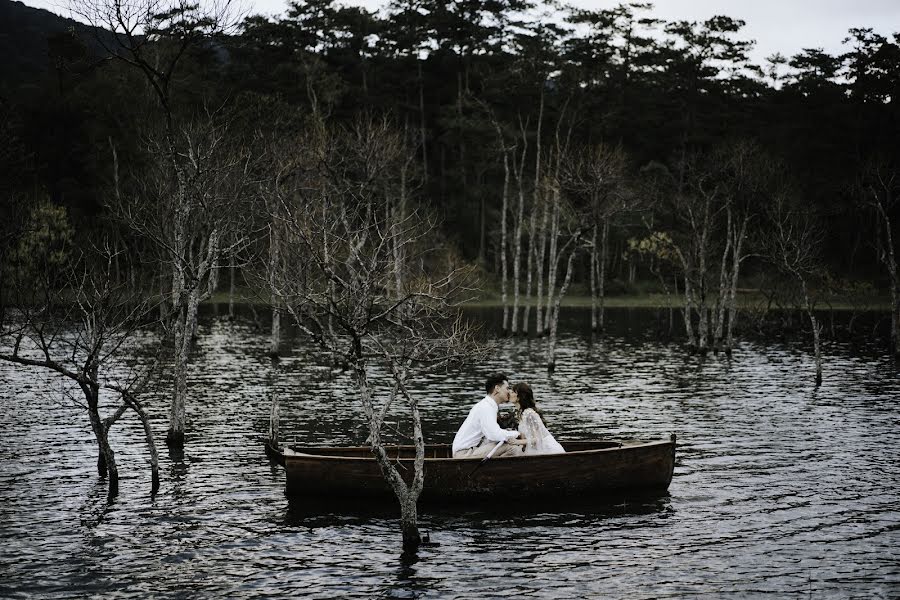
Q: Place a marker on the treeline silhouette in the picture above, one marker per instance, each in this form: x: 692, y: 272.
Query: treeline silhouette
x: 471, y: 82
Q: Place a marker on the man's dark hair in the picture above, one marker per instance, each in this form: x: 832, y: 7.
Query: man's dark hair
x: 494, y: 379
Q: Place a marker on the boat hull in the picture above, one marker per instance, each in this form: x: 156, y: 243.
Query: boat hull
x: 586, y: 470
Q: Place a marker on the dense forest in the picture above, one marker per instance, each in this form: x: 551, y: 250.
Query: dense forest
x: 659, y: 145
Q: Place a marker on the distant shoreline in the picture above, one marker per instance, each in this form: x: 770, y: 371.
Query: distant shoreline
x: 746, y: 300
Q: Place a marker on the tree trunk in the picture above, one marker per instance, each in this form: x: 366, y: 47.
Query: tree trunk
x: 816, y: 327
x: 183, y: 326
x: 529, y: 269
x: 541, y: 297
x: 532, y: 235
x: 670, y: 302
x: 722, y: 300
x: 817, y: 345
x: 408, y: 510
x: 231, y: 279
x: 889, y: 258
x: 736, y: 258
x: 604, y: 251
x: 593, y: 277
x: 504, y: 242
x: 106, y: 458
x: 148, y: 436
x: 406, y: 495
x: 275, y: 339
x: 117, y: 277
x: 111, y: 466
x: 703, y: 321
x: 895, y: 318
x: 554, y: 315
x: 409, y: 525
x: 151, y: 446
x: 163, y: 308
x: 97, y: 428
x: 275, y: 241
x: 553, y: 264
x: 186, y: 301
x: 517, y: 254
x: 688, y: 311
x: 326, y: 255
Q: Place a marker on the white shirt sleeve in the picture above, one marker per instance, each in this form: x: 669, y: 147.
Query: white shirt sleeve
x: 489, y: 427
x: 480, y: 424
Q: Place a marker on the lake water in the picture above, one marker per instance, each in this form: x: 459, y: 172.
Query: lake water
x: 780, y: 489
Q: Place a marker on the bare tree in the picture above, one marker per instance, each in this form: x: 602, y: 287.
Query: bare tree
x: 598, y: 175
x: 750, y: 179
x: 154, y: 37
x: 342, y: 210
x: 879, y: 187
x: 518, y: 170
x: 535, y: 259
x: 504, y: 151
x: 686, y: 211
x: 565, y: 241
x: 67, y: 314
x: 192, y: 222
x: 666, y: 241
x: 793, y: 245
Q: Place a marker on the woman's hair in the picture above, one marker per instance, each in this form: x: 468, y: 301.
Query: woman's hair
x: 526, y: 398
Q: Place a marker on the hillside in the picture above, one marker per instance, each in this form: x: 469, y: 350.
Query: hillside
x: 31, y: 41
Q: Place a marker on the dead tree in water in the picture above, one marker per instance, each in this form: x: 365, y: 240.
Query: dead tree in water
x: 65, y: 313
x: 750, y: 179
x: 566, y: 231
x: 387, y: 329
x: 192, y: 222
x: 598, y: 175
x: 690, y: 207
x: 518, y: 227
x: 153, y: 37
x: 880, y: 190
x: 504, y: 277
x: 794, y: 246
x: 672, y: 244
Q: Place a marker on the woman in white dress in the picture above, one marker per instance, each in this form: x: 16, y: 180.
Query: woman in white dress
x: 538, y: 440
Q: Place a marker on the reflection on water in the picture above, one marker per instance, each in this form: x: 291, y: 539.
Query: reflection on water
x: 779, y: 488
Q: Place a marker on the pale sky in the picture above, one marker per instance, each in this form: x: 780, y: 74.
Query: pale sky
x: 785, y: 26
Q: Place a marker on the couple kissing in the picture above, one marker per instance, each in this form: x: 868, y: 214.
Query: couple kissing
x: 480, y: 434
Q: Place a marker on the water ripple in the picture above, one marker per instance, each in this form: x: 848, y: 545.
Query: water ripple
x: 779, y: 489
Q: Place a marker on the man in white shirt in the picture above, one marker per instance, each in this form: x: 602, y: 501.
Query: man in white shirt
x: 480, y: 433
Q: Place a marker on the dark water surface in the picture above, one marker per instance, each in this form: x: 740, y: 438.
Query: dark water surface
x: 780, y: 489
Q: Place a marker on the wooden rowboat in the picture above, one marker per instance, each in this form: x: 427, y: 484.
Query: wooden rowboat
x: 587, y: 470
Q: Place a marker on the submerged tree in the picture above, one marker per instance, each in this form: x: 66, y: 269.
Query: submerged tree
x: 155, y: 37
x: 192, y: 223
x: 370, y: 288
x: 599, y: 175
x: 688, y: 210
x: 750, y: 180
x: 879, y: 188
x: 65, y: 312
x: 794, y: 246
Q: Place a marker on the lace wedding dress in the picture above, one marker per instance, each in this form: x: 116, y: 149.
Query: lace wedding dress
x: 539, y: 439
